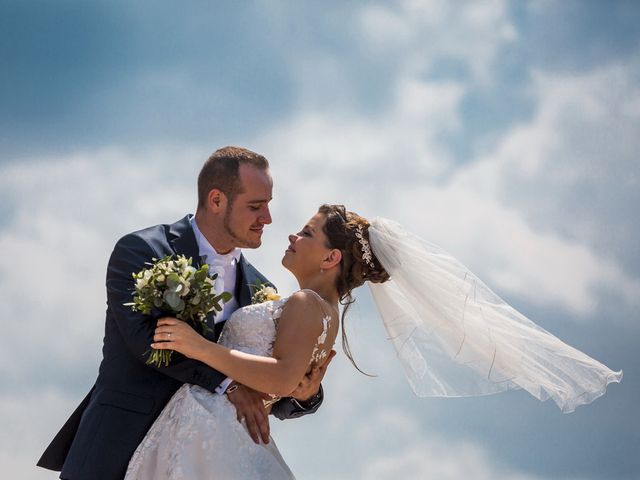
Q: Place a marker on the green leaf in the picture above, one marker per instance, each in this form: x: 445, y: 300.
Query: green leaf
x: 173, y: 299
x: 173, y: 280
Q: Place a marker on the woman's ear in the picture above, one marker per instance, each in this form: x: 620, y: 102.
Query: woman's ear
x: 332, y: 259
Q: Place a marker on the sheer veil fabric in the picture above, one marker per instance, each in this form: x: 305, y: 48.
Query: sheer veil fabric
x: 455, y: 337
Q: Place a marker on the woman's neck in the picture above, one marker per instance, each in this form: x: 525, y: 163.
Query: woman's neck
x: 324, y: 287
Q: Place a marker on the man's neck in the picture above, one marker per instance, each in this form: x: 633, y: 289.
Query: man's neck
x: 213, y: 235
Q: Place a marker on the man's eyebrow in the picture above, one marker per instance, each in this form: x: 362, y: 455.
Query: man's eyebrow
x: 260, y: 200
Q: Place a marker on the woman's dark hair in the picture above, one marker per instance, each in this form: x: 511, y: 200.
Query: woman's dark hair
x: 341, y: 228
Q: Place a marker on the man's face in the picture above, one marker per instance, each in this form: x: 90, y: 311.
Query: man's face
x: 246, y: 217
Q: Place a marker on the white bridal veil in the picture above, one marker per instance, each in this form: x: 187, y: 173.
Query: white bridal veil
x: 455, y: 337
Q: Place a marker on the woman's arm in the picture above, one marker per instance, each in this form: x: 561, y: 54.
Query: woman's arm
x: 298, y: 329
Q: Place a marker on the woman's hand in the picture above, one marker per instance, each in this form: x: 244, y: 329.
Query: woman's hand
x: 310, y: 383
x: 174, y: 334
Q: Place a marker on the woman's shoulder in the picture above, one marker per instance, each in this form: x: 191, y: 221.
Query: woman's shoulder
x: 304, y: 298
x: 307, y: 305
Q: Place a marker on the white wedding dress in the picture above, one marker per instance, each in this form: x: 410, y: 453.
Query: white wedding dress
x: 197, y: 435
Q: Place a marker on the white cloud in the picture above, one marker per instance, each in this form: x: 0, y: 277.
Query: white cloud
x: 571, y: 174
x: 28, y: 423
x: 391, y: 167
x: 424, y: 32
x: 437, y: 458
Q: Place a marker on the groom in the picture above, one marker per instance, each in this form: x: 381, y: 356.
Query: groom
x: 234, y: 191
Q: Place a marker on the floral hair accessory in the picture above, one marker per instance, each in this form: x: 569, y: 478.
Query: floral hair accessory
x: 367, y: 256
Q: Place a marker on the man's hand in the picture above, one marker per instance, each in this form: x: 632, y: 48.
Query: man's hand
x: 310, y: 384
x: 249, y: 406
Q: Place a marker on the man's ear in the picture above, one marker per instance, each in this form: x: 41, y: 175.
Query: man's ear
x: 217, y: 201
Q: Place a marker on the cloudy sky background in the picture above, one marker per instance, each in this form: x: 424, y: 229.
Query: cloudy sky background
x: 506, y: 132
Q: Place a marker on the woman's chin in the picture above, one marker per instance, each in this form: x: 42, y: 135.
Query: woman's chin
x: 288, y: 264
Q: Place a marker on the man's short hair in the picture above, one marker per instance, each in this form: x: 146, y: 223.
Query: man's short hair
x: 222, y: 171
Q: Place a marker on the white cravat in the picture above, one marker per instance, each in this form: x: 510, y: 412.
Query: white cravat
x: 224, y: 265
x: 226, y: 268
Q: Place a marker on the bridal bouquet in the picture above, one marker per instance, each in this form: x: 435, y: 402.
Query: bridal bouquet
x: 175, y: 287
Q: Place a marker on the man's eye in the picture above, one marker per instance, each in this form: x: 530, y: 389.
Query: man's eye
x: 255, y: 209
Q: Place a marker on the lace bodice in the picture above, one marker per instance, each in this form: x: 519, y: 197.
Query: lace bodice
x: 252, y: 329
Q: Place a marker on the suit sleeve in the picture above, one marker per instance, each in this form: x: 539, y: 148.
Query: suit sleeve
x: 289, y: 407
x: 129, y: 256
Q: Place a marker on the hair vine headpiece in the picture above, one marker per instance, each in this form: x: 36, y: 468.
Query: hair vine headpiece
x: 367, y: 256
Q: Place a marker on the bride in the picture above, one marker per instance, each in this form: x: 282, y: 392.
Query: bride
x: 453, y: 335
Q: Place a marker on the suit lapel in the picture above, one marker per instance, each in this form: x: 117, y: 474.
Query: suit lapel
x: 183, y: 240
x: 244, y: 280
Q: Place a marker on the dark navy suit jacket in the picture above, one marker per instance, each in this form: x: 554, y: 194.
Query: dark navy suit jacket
x: 103, y: 432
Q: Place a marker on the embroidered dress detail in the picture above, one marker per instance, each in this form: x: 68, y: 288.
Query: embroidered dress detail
x: 318, y: 353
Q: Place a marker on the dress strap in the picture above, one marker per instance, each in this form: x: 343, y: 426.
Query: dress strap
x: 312, y: 291
x: 323, y: 302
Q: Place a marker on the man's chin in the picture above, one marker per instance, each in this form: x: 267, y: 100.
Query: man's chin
x: 252, y: 243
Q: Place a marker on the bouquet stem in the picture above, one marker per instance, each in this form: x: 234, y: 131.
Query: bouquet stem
x: 159, y: 358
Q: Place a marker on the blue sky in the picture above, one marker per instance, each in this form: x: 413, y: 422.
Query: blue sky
x: 506, y: 132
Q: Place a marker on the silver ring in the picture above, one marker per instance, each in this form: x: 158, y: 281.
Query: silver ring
x: 169, y: 335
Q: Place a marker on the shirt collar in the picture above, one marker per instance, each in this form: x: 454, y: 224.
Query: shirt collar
x: 207, y: 250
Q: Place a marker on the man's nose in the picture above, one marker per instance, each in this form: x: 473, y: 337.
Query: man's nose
x: 266, y: 216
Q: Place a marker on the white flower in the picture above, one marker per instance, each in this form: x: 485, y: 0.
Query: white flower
x: 264, y: 293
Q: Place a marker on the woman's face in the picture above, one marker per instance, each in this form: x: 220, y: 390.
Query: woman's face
x: 307, y: 248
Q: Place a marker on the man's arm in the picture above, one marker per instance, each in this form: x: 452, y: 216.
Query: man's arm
x: 307, y: 397
x: 130, y: 255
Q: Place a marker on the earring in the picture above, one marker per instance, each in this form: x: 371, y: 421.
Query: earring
x: 321, y: 270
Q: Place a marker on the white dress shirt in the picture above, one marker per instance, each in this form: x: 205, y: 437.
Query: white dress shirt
x: 226, y: 267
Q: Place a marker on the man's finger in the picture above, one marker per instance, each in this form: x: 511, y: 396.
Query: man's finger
x: 252, y: 426
x: 259, y: 424
x: 326, y: 363
x: 263, y: 425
